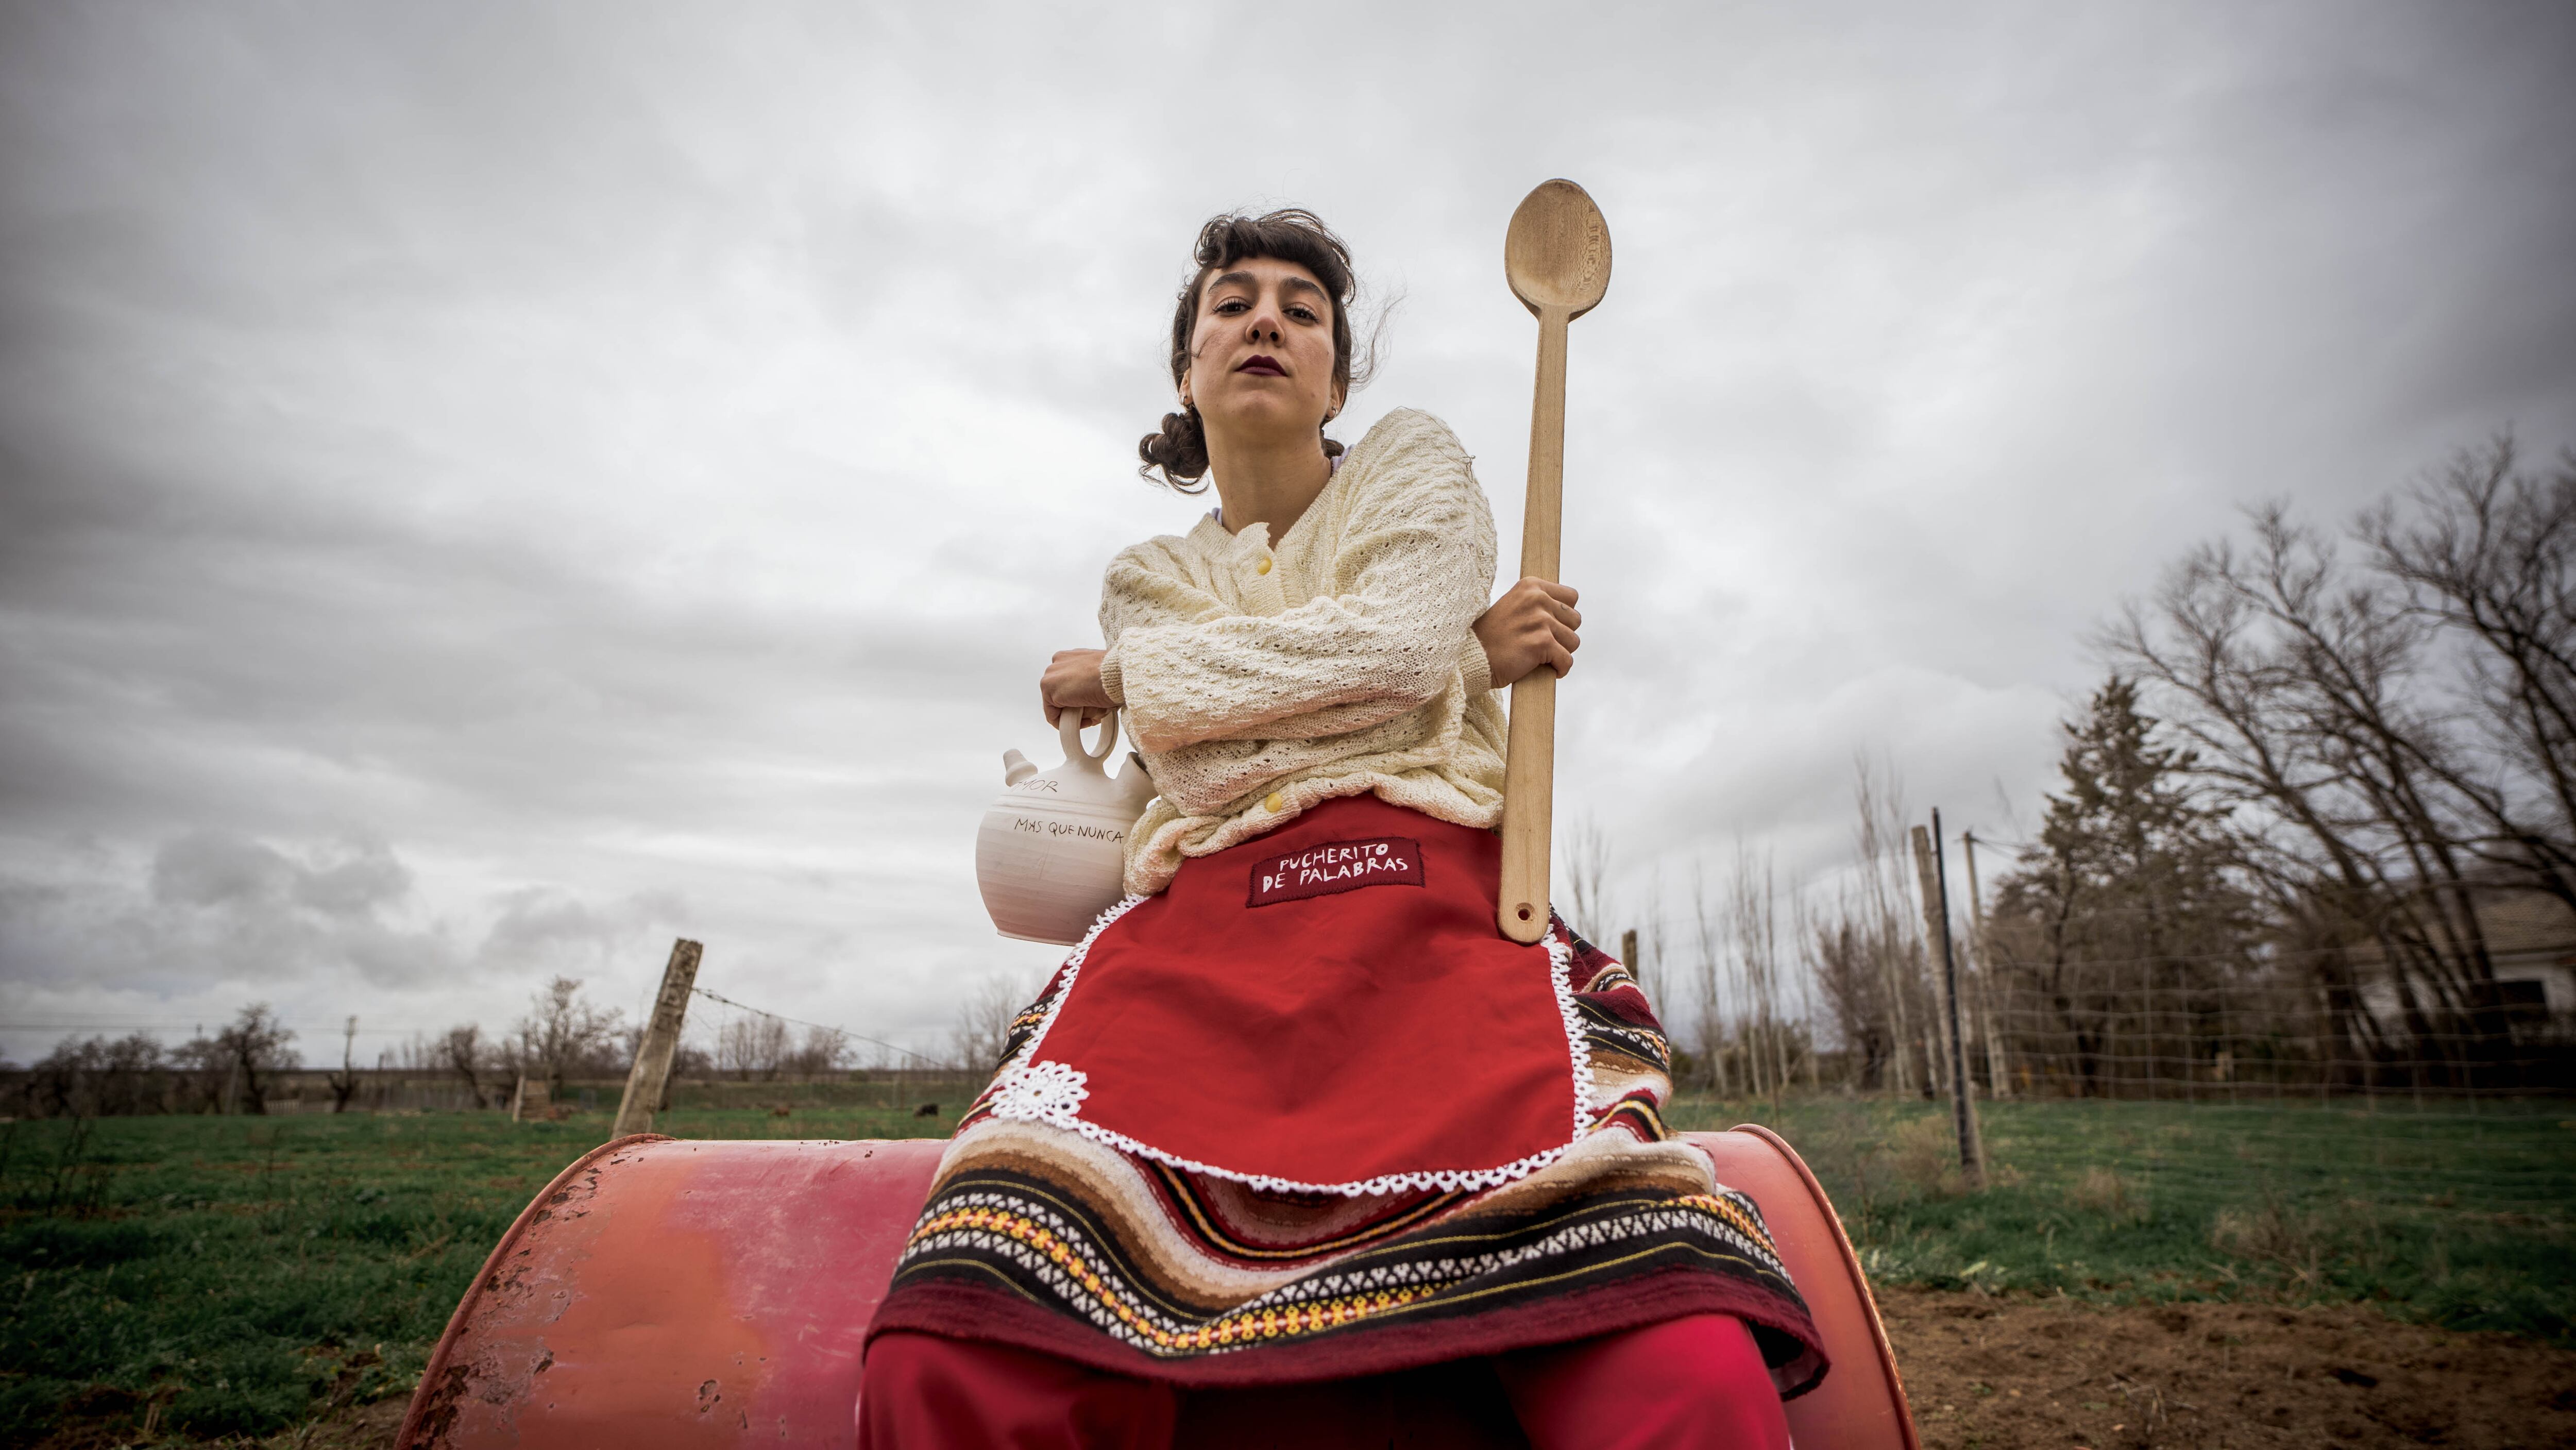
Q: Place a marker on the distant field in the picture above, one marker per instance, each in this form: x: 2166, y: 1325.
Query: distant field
x: 236, y: 1276
x: 2451, y: 1216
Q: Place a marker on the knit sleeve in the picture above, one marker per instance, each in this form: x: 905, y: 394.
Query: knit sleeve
x: 1151, y: 584
x: 1410, y: 574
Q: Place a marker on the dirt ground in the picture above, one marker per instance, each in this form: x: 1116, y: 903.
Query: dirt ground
x: 2008, y: 1374
x: 367, y: 1427
x: 2004, y: 1374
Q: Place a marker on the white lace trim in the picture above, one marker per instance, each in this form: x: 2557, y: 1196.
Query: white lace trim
x: 1026, y: 1090
x: 1578, y: 1047
x: 1050, y: 1092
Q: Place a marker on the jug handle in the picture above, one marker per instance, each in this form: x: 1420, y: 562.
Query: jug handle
x: 1068, y: 726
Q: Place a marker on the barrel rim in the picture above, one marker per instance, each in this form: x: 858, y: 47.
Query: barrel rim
x: 407, y: 1438
x: 1859, y: 1278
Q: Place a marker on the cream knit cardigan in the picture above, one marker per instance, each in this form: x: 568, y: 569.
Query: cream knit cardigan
x: 1260, y: 679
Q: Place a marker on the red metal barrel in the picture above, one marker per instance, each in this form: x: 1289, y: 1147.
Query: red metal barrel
x: 663, y: 1294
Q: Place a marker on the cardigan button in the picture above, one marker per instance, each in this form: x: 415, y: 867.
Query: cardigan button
x: 1274, y: 804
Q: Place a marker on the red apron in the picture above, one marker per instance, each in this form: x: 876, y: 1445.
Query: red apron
x: 1328, y: 1007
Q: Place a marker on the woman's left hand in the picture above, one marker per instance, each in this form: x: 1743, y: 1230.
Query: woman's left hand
x: 1072, y: 682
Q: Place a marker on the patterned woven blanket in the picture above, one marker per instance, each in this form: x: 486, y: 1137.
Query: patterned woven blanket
x: 1255, y: 1135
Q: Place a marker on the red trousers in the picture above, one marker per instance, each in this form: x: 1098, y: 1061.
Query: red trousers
x: 1686, y: 1384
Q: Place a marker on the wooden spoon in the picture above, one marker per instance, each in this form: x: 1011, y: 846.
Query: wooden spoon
x: 1557, y: 257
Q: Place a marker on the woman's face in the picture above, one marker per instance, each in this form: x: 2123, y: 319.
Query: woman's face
x: 1261, y: 357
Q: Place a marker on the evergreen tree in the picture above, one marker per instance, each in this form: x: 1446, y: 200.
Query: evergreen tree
x: 2124, y: 908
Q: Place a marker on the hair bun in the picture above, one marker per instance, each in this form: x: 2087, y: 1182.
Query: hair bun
x: 1179, y: 450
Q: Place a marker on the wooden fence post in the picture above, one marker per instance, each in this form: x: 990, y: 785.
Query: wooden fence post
x: 1935, y: 876
x: 1936, y: 943
x: 661, y: 1039
x: 1998, y: 1066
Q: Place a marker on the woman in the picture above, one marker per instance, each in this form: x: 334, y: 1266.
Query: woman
x: 1296, y: 1112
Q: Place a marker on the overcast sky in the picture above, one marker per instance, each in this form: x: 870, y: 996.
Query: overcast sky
x: 487, y: 488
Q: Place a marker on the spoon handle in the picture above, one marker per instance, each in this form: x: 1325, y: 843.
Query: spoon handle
x: 1529, y: 766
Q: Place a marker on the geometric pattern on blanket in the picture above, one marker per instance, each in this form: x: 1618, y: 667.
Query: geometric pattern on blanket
x: 1039, y: 1237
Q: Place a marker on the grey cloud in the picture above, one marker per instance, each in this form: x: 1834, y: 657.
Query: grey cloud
x: 211, y: 868
x: 214, y: 868
x: 537, y: 932
x: 371, y: 877
x: 220, y: 908
x: 630, y: 463
x: 534, y: 921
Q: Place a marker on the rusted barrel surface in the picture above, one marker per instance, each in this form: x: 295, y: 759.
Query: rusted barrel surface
x: 663, y: 1294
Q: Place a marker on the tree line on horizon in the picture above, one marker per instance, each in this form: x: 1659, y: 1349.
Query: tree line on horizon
x: 2315, y: 764
x: 564, y: 1038
x: 2320, y: 770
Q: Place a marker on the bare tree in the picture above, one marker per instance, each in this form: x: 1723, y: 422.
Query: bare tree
x: 1888, y: 933
x: 344, y: 1083
x: 983, y: 1032
x: 1653, y: 976
x: 2489, y: 555
x: 1587, y: 874
x: 564, y: 1034
x: 1708, y: 962
x: 821, y: 1050
x: 1752, y: 915
x: 1862, y: 942
x: 248, y: 1054
x: 752, y: 1045
x: 1854, y: 987
x: 100, y: 1077
x: 2400, y: 736
x: 460, y: 1050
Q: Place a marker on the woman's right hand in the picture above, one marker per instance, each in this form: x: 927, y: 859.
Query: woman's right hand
x: 1534, y: 624
x: 1071, y: 681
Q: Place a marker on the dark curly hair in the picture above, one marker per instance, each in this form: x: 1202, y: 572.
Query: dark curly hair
x: 1179, y: 451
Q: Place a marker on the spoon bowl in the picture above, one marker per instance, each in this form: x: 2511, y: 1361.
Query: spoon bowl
x: 1556, y: 253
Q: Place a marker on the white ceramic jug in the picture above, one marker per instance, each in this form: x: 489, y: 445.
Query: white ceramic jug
x: 1053, y: 849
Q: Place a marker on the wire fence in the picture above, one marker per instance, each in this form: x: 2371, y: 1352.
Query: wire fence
x: 764, y: 1048
x: 2217, y: 1042
x: 1763, y: 990
x: 134, y: 1075
x: 2144, y: 1028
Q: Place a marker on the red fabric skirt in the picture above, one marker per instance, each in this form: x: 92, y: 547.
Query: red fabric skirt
x: 1328, y: 1007
x: 1695, y: 1383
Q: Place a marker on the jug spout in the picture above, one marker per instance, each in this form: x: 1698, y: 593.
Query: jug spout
x: 1016, y: 767
x: 1134, y: 785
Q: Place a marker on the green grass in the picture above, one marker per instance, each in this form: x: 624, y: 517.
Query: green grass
x: 247, y: 1274
x: 2457, y: 1217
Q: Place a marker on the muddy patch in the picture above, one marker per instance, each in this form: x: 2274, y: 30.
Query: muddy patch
x: 2004, y: 1374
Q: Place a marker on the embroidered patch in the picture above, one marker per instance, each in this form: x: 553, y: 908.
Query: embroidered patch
x: 1337, y: 866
